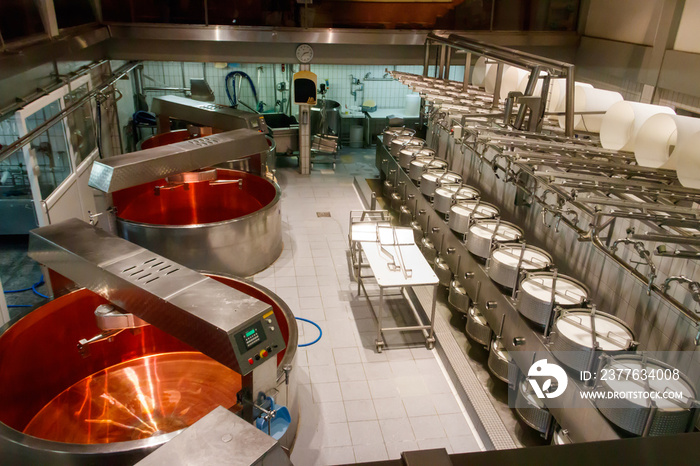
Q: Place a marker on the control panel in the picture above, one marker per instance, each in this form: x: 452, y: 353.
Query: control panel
x: 257, y: 342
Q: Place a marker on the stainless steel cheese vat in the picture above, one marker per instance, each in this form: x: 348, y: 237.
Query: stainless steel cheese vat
x: 449, y: 194
x: 508, y: 259
x: 421, y: 164
x: 534, y: 299
x: 392, y: 132
x: 458, y: 297
x: 404, y: 142
x: 530, y: 409
x: 443, y: 272
x: 407, y: 155
x: 477, y: 327
x: 432, y: 179
x: 633, y: 413
x: 483, y: 234
x: 229, y: 224
x: 499, y: 360
x: 573, y: 336
x: 461, y: 214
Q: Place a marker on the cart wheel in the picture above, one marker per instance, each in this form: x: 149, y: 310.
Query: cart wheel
x: 380, y: 345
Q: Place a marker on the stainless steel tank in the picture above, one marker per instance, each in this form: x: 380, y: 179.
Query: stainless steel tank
x: 534, y: 299
x: 531, y: 409
x: 407, y: 155
x: 499, y: 360
x: 508, y: 259
x: 461, y: 214
x: 391, y: 132
x: 575, y: 331
x: 423, y: 163
x: 229, y: 224
x: 458, y: 297
x: 482, y: 235
x: 477, y: 328
x: 433, y: 179
x: 449, y: 194
x: 672, y: 416
x: 122, y: 400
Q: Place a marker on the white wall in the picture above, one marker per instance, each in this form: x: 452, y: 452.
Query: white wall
x: 634, y: 21
x: 688, y: 36
x: 387, y: 94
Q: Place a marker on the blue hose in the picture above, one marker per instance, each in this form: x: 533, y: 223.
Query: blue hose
x: 234, y: 99
x: 19, y: 305
x: 320, y: 332
x: 32, y: 288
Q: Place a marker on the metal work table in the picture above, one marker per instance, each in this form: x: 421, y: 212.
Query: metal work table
x: 397, y: 262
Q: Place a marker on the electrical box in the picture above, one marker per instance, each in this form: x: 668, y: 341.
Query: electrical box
x: 305, y: 88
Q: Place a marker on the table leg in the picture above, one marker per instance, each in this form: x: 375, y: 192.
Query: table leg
x: 430, y: 341
x: 359, y: 269
x: 379, y: 342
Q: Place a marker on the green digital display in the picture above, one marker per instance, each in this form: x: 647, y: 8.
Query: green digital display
x: 250, y: 332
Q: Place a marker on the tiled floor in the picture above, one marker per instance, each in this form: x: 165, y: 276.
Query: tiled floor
x: 356, y: 405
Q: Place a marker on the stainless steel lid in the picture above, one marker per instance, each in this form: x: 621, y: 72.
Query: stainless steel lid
x: 418, y: 151
x: 459, y: 192
x: 428, y: 162
x: 442, y: 176
x: 569, y: 292
x: 506, y: 231
x: 611, y: 333
x: 483, y: 209
x: 408, y: 141
x: 657, y: 384
x: 532, y: 258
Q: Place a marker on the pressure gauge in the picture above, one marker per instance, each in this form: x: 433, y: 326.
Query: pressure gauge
x: 305, y: 53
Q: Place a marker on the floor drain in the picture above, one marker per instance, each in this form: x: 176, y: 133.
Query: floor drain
x: 323, y: 214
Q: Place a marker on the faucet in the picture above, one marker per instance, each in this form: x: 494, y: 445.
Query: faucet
x: 643, y: 253
x: 693, y: 285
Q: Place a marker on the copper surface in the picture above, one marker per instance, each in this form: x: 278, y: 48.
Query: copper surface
x: 137, y: 399
x: 194, y: 203
x: 164, y: 139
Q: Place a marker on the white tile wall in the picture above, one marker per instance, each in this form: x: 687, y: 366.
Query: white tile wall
x: 387, y: 94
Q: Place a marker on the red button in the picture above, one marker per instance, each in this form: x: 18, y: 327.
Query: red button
x: 250, y: 361
x: 263, y: 353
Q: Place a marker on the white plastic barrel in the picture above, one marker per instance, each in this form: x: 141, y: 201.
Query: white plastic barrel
x: 622, y: 122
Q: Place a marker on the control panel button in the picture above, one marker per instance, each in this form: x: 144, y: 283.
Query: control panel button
x: 263, y: 353
x: 257, y: 357
x: 269, y: 350
x: 250, y: 361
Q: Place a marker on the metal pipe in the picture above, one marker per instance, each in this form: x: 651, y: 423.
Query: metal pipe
x: 441, y: 63
x: 570, y: 95
x: 497, y: 86
x: 426, y: 58
x: 29, y: 137
x: 448, y: 62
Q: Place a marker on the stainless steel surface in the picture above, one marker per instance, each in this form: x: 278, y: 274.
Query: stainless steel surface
x: 219, y: 438
x: 499, y: 359
x: 214, y: 115
x: 406, y: 156
x: 569, y: 408
x: 535, y: 295
x: 507, y: 261
x: 477, y: 328
x: 633, y: 414
x: 184, y: 303
x: 458, y: 297
x: 399, y: 143
x: 530, y: 409
x: 395, y: 131
x: 485, y: 233
x: 243, y: 238
x: 421, y: 164
x: 575, y: 336
x: 443, y: 272
x: 461, y: 214
x: 432, y: 179
x: 124, y: 171
x: 449, y: 194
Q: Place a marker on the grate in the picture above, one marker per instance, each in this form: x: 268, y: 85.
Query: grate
x: 323, y: 214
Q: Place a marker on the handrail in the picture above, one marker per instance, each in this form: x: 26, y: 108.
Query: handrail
x: 29, y: 137
x: 517, y: 58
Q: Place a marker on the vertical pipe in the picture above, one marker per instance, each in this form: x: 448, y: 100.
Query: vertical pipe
x: 497, y: 86
x: 448, y: 61
x: 529, y: 90
x: 426, y: 58
x: 206, y: 13
x: 441, y: 64
x: 570, y: 93
x: 182, y: 70
x: 467, y: 67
